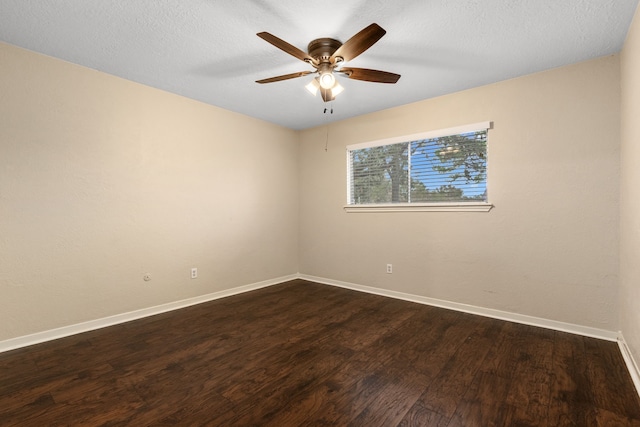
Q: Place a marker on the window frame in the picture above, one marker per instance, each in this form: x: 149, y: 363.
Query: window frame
x: 472, y: 206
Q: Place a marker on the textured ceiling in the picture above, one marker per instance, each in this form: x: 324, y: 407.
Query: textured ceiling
x: 208, y: 49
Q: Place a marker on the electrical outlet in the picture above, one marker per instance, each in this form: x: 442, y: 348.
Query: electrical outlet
x: 389, y: 268
x: 146, y: 277
x: 194, y: 273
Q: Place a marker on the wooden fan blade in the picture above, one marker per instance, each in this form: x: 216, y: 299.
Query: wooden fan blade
x: 284, y: 77
x: 370, y: 75
x: 283, y: 45
x: 359, y: 43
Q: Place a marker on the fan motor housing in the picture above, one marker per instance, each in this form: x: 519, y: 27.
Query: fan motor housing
x: 323, y: 48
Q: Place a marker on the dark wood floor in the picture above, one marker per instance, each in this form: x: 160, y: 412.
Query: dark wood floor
x: 307, y: 354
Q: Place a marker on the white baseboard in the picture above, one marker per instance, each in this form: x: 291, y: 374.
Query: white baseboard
x: 466, y: 308
x: 91, y: 325
x: 65, y: 331
x: 632, y: 366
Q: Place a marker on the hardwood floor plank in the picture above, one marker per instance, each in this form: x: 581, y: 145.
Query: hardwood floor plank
x: 571, y: 395
x: 26, y: 412
x: 530, y: 388
x: 443, y: 394
x: 419, y: 416
x: 484, y: 403
x: 307, y: 354
x: 399, y: 391
x: 609, y: 378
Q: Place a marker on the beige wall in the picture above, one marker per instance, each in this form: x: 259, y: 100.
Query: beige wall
x: 548, y: 249
x: 103, y: 180
x: 630, y: 191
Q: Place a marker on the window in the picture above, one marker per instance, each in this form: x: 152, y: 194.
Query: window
x: 440, y: 170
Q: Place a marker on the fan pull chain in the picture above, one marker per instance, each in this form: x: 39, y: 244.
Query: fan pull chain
x: 326, y: 121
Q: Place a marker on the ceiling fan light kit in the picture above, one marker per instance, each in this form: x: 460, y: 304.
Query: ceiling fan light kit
x: 327, y: 80
x: 336, y: 89
x: 326, y: 55
x: 313, y: 86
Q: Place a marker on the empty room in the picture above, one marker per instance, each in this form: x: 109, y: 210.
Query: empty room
x: 285, y: 213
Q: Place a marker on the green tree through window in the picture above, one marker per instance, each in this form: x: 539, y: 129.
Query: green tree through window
x: 450, y: 168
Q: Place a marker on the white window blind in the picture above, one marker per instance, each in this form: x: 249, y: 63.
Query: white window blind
x: 441, y: 167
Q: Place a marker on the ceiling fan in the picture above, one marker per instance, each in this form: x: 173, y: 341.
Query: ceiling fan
x: 326, y: 55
